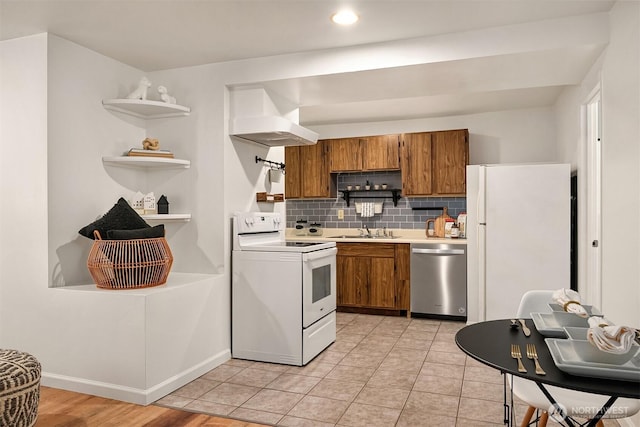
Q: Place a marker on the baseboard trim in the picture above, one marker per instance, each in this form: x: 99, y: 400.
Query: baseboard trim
x: 134, y: 395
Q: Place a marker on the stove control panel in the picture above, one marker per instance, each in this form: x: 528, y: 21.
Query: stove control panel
x: 258, y: 222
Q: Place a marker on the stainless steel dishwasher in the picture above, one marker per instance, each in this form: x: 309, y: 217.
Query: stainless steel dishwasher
x: 439, y: 280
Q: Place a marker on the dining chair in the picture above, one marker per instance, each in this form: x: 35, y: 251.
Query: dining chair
x: 575, y: 402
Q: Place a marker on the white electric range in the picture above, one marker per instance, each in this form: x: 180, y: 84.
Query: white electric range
x: 283, y: 294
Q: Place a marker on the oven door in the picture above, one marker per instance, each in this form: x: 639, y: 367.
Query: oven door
x: 318, y: 285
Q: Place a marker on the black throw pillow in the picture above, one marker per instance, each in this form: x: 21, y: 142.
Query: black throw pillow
x: 120, y: 217
x: 140, y: 233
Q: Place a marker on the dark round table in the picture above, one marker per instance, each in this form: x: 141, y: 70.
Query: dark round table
x: 490, y: 343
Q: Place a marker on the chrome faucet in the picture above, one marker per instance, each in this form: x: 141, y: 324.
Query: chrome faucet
x: 368, y: 231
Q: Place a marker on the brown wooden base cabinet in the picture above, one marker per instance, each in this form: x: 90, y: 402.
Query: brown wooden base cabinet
x: 373, y: 276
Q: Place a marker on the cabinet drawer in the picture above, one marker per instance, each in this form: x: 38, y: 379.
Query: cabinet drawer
x: 383, y: 250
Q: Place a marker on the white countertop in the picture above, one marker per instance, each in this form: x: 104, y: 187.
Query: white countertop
x: 400, y: 236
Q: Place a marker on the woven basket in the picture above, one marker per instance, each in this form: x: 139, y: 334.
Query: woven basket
x: 129, y: 264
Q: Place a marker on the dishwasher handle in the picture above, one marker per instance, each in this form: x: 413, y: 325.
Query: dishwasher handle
x: 438, y: 251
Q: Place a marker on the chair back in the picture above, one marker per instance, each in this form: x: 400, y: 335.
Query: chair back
x: 534, y: 302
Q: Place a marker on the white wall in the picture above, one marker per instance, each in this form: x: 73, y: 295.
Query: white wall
x: 80, y: 132
x: 620, y: 161
x: 618, y: 72
x: 23, y: 180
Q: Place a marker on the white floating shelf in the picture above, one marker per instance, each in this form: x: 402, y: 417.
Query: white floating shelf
x: 167, y: 217
x: 146, y: 162
x: 146, y: 109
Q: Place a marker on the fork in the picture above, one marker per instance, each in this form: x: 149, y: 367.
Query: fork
x: 516, y: 354
x: 532, y: 353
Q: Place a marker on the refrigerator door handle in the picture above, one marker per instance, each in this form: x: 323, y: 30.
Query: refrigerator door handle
x: 482, y: 273
x: 482, y: 185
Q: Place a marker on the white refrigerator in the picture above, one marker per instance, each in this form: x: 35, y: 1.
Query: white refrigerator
x: 518, y: 235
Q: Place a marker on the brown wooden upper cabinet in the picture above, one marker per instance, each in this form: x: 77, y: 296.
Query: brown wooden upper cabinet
x: 307, y: 171
x: 416, y: 164
x: 365, y: 153
x: 345, y: 154
x: 434, y: 163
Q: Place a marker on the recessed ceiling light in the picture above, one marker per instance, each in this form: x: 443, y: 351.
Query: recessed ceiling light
x: 345, y: 17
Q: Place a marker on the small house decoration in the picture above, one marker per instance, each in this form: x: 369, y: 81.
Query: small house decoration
x: 137, y: 203
x: 150, y: 207
x: 163, y: 205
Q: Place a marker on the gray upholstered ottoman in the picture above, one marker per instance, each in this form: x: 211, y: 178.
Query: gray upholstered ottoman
x: 19, y: 388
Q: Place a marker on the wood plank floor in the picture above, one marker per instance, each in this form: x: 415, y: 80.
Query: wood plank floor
x: 61, y: 408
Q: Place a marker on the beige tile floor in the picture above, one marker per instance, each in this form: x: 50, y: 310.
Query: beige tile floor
x: 381, y: 371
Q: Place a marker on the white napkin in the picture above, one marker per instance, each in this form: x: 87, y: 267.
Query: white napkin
x: 608, y: 337
x: 570, y: 302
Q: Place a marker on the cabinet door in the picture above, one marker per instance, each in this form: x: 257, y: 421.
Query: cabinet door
x: 416, y: 164
x: 381, y: 152
x: 345, y: 154
x: 292, y: 176
x: 316, y: 181
x: 403, y: 275
x: 381, y: 286
x: 352, y: 277
x: 366, y: 275
x: 450, y: 158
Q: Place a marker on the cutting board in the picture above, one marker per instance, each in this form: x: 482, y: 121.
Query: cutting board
x: 438, y: 223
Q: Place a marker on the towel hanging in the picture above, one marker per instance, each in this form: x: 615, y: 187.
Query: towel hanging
x: 368, y: 209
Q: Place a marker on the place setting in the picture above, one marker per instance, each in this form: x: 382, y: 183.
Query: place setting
x: 583, y: 342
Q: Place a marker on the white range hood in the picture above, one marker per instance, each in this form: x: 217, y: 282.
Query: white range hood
x: 272, y: 131
x: 266, y: 119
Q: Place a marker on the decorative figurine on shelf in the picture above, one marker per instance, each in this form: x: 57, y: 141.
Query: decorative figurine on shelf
x: 141, y: 90
x: 150, y: 144
x: 137, y: 203
x: 163, y: 205
x: 150, y: 207
x: 164, y: 95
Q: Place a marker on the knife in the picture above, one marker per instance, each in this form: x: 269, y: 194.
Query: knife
x: 525, y: 329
